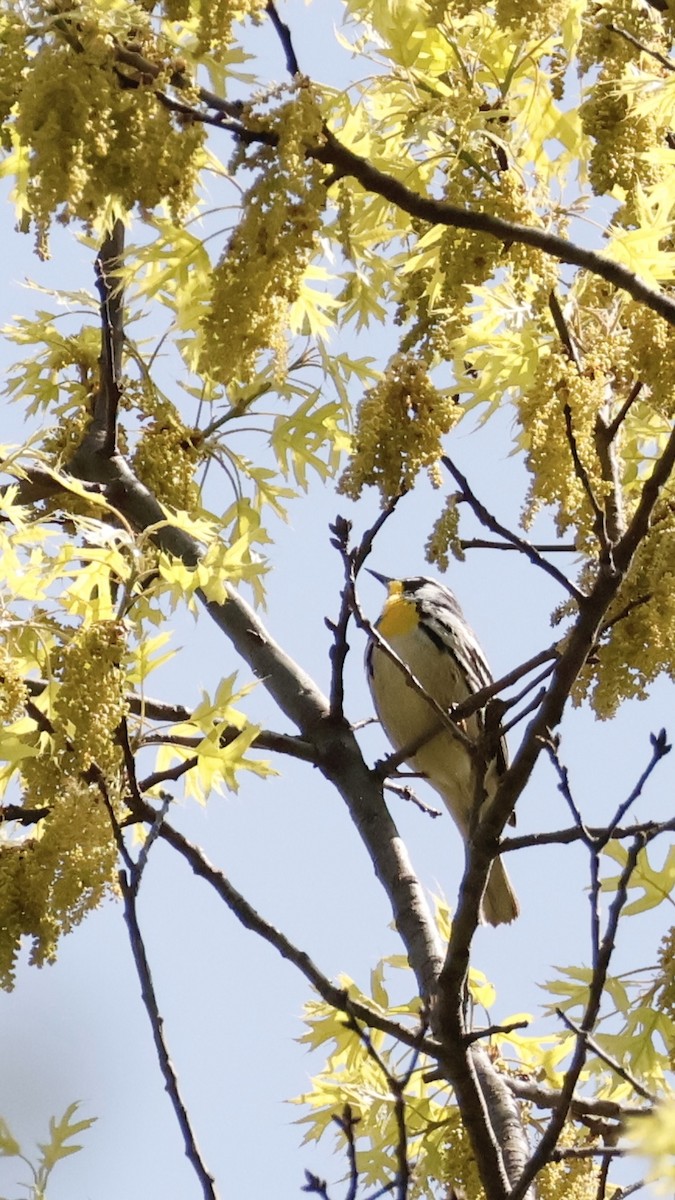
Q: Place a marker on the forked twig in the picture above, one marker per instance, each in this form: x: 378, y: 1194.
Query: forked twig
x: 490, y: 522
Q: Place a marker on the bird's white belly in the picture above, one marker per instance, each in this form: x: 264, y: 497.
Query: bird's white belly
x: 406, y: 716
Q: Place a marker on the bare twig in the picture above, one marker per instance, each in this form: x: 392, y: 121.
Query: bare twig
x: 397, y: 1088
x: 627, y: 609
x: 406, y: 793
x: 583, y: 477
x: 477, y: 1035
x: 486, y: 518
x: 352, y: 561
x: 129, y: 881
x: 614, y: 426
x: 169, y: 774
x: 550, y: 1137
x: 347, y: 1123
x: 540, y: 547
x: 192, y: 1150
x: 563, y: 330
x: 108, y: 262
x: 660, y: 747
x: 569, y: 1153
x: 337, y: 997
x: 284, y: 35
x: 315, y: 1186
x: 524, y: 712
x: 551, y: 747
x: 565, y: 837
x: 625, y: 1192
x: 612, y: 1063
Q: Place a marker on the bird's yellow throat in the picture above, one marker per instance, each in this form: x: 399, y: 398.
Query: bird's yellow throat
x: 398, y: 615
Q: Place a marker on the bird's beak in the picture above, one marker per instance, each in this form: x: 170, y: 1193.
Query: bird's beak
x: 385, y: 579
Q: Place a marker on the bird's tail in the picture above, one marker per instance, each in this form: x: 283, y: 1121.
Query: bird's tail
x: 500, y: 905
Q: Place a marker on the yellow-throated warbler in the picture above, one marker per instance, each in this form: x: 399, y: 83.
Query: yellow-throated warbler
x: 423, y: 624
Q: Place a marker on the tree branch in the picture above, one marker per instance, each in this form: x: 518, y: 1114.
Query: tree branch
x: 106, y: 404
x: 353, y: 561
x: 169, y: 713
x: 439, y: 212
x: 550, y: 1137
x: 612, y: 1063
x: 337, y: 997
x: 192, y: 1152
x: 633, y: 41
x: 565, y: 837
x: 583, y: 477
x: 284, y: 34
x: 485, y: 517
x: 580, y: 1106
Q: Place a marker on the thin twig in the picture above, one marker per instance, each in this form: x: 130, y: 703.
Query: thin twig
x: 192, y: 1152
x: 566, y: 837
x: 590, y: 843
x: 524, y: 712
x: 563, y: 330
x: 612, y: 1063
x: 581, y: 1106
x: 550, y: 1137
x: 551, y: 748
x: 108, y: 262
x: 567, y: 1153
x: 614, y: 426
x: 477, y: 1035
x: 284, y: 35
x: 347, y: 1123
x: 633, y: 41
x: 486, y: 518
x: 397, y: 1088
x: 583, y: 477
x: 352, y: 561
x: 540, y: 547
x: 623, y: 1193
x: 244, y: 912
x: 625, y: 612
x: 406, y: 793
x: 169, y: 775
x: 660, y: 748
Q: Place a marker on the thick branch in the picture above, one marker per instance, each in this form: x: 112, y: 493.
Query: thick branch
x: 580, y: 1106
x: 439, y: 212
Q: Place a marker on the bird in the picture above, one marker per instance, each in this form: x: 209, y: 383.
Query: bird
x: 423, y: 624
